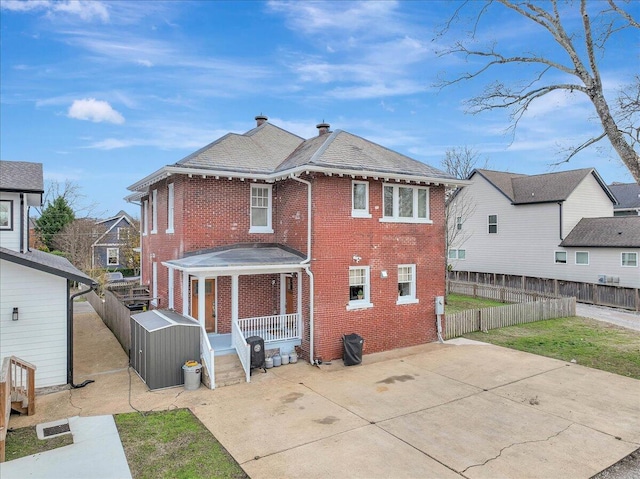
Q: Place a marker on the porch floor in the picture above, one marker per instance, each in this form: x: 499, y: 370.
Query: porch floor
x: 221, y: 344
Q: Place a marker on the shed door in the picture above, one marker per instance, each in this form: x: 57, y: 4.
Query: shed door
x: 209, y: 303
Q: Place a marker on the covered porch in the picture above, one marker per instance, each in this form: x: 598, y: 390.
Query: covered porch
x: 239, y: 291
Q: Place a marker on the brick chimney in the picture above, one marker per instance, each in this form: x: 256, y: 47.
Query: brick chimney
x: 260, y: 119
x: 323, y: 128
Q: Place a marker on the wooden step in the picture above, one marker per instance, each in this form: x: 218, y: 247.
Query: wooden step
x: 228, y: 370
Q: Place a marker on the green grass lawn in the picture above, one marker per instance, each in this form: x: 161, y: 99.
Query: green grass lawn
x: 173, y: 444
x: 458, y: 302
x: 24, y: 442
x: 591, y: 343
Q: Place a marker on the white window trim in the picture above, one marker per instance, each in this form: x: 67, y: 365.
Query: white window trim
x: 413, y: 298
x: 489, y: 224
x: 269, y: 227
x: 154, y: 212
x: 170, y: 206
x: 575, y: 258
x: 456, y: 254
x: 117, y: 263
x: 145, y: 214
x: 629, y: 265
x: 366, y: 301
x: 365, y: 212
x: 396, y: 205
x: 555, y: 260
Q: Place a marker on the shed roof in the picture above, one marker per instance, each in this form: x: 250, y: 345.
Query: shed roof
x: 21, y: 176
x: 608, y: 232
x: 159, y: 319
x: 47, y: 262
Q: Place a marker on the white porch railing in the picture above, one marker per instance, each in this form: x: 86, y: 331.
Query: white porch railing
x: 208, y: 356
x: 242, y: 348
x: 278, y: 327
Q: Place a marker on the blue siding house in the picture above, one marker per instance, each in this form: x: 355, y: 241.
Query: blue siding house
x: 113, y: 248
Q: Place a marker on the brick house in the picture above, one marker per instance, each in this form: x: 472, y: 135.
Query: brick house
x: 301, y: 240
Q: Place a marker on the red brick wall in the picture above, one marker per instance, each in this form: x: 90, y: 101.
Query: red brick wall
x: 211, y: 213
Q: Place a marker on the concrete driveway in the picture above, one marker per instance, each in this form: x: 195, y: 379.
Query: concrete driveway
x: 445, y: 411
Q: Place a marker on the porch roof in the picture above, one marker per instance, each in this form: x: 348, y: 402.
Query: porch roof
x: 240, y: 257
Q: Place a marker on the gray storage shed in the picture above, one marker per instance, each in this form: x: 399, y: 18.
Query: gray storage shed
x: 161, y: 342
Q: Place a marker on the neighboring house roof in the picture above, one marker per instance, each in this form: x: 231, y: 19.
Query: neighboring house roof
x: 117, y: 220
x: 21, y: 176
x: 47, y: 262
x: 248, y: 255
x: 269, y: 153
x: 120, y: 214
x: 608, y: 232
x: 545, y: 188
x: 627, y: 194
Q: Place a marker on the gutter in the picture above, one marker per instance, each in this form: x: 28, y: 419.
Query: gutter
x: 92, y: 287
x: 560, y: 215
x: 307, y: 267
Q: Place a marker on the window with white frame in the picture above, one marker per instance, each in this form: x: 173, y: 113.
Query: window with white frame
x: 113, y: 256
x: 359, y: 290
x: 629, y: 259
x: 457, y: 254
x: 360, y: 199
x: 6, y: 215
x: 260, y: 209
x: 493, y: 223
x: 459, y: 223
x: 582, y: 257
x: 154, y: 211
x: 407, y: 283
x: 145, y: 217
x: 170, y: 202
x: 560, y: 257
x: 405, y: 204
x: 123, y: 232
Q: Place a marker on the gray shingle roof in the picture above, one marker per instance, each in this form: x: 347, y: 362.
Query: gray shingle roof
x: 47, y: 262
x: 258, y: 254
x: 343, y: 150
x: 611, y: 232
x: 545, y: 188
x: 21, y: 176
x: 627, y: 194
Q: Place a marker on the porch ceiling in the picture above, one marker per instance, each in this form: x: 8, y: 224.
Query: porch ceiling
x: 245, y: 256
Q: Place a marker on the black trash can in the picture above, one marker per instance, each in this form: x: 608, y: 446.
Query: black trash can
x: 256, y: 345
x: 352, y: 354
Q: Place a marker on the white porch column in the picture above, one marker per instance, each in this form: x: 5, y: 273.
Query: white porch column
x: 185, y: 293
x: 234, y: 297
x: 299, y: 309
x: 283, y: 293
x: 201, y: 293
x: 170, y: 273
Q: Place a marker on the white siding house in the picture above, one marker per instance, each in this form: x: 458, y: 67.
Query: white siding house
x: 35, y: 304
x: 515, y: 224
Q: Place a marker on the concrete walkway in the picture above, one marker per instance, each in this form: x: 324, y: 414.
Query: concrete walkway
x: 436, y: 410
x: 96, y: 452
x: 626, y: 319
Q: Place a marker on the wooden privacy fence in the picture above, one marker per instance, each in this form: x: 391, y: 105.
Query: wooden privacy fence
x: 115, y: 315
x: 497, y: 293
x: 484, y: 319
x: 591, y: 293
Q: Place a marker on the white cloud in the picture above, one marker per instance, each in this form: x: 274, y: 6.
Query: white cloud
x: 94, y: 110
x: 86, y: 10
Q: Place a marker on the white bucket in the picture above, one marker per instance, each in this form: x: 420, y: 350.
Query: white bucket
x: 285, y: 359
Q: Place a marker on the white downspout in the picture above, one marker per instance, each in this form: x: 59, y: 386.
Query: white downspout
x: 307, y: 265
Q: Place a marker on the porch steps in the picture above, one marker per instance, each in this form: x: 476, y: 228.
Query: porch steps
x: 228, y: 370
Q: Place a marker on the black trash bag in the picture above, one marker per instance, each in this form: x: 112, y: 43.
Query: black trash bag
x: 352, y: 351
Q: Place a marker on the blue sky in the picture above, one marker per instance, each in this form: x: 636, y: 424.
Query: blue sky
x: 104, y: 93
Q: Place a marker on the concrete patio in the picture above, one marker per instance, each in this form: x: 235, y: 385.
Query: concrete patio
x: 438, y: 410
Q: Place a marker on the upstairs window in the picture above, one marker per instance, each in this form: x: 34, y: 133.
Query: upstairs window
x: 459, y: 223
x: 170, y: 202
x: 123, y: 232
x: 407, y: 283
x: 260, y: 209
x: 629, y: 259
x: 561, y: 257
x: 145, y: 217
x: 405, y: 204
x: 6, y: 215
x: 359, y: 289
x: 360, y: 199
x: 154, y: 211
x: 113, y: 256
x: 457, y: 254
x: 582, y: 257
x: 493, y: 223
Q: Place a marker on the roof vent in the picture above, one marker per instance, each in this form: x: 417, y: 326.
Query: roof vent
x: 323, y: 128
x: 260, y: 119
